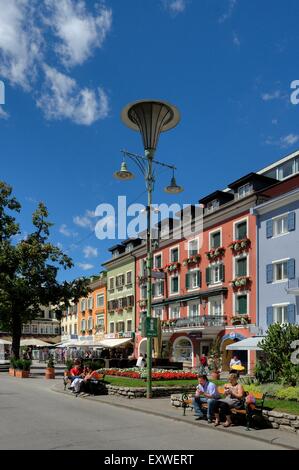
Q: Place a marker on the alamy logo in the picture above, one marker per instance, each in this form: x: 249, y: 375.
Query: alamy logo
x: 2, y: 92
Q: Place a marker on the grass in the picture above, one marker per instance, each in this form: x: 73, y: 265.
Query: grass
x: 285, y: 406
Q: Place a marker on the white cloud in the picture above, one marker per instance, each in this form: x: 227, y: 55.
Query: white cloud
x: 283, y: 142
x: 231, y: 6
x: 236, y: 40
x: 64, y: 230
x: 272, y: 96
x: 175, y: 6
x: 63, y: 99
x: 90, y: 252
x: 78, y: 31
x: 3, y: 114
x: 20, y: 42
x: 85, y: 266
x: 85, y: 220
x: 289, y: 140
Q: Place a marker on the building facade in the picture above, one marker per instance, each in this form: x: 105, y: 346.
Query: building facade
x: 278, y: 260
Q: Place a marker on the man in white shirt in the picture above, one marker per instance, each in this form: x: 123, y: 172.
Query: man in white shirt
x: 235, y: 361
x: 206, y: 392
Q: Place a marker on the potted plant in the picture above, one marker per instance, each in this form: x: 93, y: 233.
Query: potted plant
x: 50, y: 370
x: 22, y: 368
x: 68, y: 366
x: 12, y: 367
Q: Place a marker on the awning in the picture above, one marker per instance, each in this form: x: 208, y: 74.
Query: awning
x: 248, y: 344
x: 34, y: 342
x: 4, y: 341
x: 114, y: 343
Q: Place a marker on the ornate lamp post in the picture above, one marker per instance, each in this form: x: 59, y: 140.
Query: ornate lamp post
x: 150, y: 118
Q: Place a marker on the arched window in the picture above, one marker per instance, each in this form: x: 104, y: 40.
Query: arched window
x: 182, y: 350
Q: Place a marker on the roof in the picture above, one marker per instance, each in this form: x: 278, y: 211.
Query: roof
x: 248, y: 344
x: 217, y: 195
x: 252, y: 177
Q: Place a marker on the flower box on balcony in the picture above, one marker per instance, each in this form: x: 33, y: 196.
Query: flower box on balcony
x: 240, y: 245
x: 141, y: 280
x: 172, y: 267
x: 212, y: 255
x: 192, y: 260
x: 240, y: 282
x: 240, y: 320
x: 142, y: 303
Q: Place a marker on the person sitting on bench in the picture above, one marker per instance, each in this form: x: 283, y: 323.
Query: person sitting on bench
x: 234, y: 398
x: 206, y: 392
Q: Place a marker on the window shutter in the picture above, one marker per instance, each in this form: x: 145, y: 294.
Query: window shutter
x: 291, y: 221
x: 208, y: 275
x: 269, y: 316
x: 269, y: 228
x: 188, y: 281
x: 162, y: 288
x: 221, y: 268
x: 269, y: 273
x: 291, y: 269
x: 292, y: 313
x: 198, y: 278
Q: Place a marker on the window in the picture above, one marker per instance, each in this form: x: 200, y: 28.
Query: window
x: 90, y: 323
x: 83, y: 325
x: 120, y: 327
x: 158, y: 312
x: 158, y: 288
x: 215, y: 239
x: 174, y: 284
x: 215, y: 306
x: 100, y: 322
x: 75, y: 329
x: 174, y: 255
x: 129, y: 278
x: 182, y: 350
x: 143, y: 292
x: 111, y: 283
x: 174, y: 312
x: 143, y: 267
x: 100, y: 300
x: 115, y: 254
x: 286, y: 169
x: 193, y: 310
x: 281, y: 271
x: 280, y: 225
x: 83, y: 305
x: 26, y: 328
x: 193, y: 247
x: 215, y: 274
x: 245, y: 190
x: 120, y: 280
x: 158, y: 261
x: 280, y: 314
x: 129, y: 325
x: 129, y: 248
x: 90, y: 303
x: 241, y: 230
x: 111, y: 327
x: 34, y: 329
x: 241, y: 266
x: 193, y: 279
x: 71, y: 329
x: 241, y: 304
x: 212, y: 205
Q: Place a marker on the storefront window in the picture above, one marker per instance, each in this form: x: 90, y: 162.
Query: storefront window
x: 182, y: 350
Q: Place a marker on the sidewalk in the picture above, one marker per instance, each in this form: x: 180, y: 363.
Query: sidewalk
x: 162, y: 407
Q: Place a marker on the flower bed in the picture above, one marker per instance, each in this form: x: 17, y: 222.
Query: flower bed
x: 157, y: 374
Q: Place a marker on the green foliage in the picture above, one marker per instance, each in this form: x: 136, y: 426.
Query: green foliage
x: 68, y: 364
x: 288, y: 393
x: 276, y: 345
x: 51, y: 363
x: 21, y: 364
x: 29, y: 268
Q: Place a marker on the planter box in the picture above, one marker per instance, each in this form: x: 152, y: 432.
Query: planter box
x: 22, y: 374
x: 11, y: 372
x: 50, y: 373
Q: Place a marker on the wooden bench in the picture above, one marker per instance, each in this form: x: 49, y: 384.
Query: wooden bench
x: 249, y: 410
x: 94, y: 381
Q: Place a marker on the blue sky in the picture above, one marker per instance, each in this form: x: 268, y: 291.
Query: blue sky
x: 69, y: 67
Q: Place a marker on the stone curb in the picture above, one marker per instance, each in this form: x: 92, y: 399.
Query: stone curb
x: 181, y: 419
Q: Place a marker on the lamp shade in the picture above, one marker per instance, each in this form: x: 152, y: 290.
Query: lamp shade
x: 150, y: 118
x: 173, y: 188
x: 123, y: 173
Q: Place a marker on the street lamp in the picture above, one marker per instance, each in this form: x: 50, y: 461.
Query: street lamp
x: 150, y: 118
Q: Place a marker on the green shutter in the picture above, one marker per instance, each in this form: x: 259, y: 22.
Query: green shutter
x: 221, y: 268
x: 188, y: 281
x: 242, y: 301
x: 198, y: 278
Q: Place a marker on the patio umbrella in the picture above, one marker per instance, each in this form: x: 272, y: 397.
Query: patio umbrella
x: 34, y: 342
x: 4, y: 341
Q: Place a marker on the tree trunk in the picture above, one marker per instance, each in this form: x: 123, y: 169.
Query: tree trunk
x: 16, y: 335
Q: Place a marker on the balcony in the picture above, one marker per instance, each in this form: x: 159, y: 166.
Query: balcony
x: 293, y: 286
x: 209, y: 323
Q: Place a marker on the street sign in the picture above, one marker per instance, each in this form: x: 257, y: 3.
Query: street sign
x: 158, y: 275
x: 151, y: 327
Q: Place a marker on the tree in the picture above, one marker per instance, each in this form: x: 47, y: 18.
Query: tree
x: 29, y: 268
x: 277, y: 348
